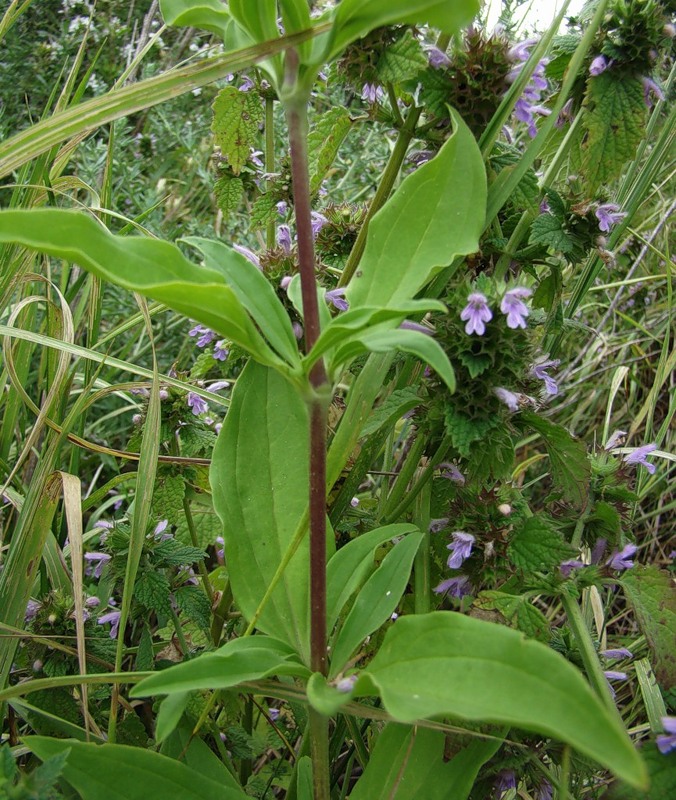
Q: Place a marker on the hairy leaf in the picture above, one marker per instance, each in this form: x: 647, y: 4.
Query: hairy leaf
x: 548, y: 230
x: 436, y: 214
x: 324, y: 141
x: 519, y: 611
x: 237, y: 117
x: 229, y: 191
x: 538, y: 545
x: 151, y: 590
x: 192, y: 602
x: 447, y: 663
x: 401, y: 61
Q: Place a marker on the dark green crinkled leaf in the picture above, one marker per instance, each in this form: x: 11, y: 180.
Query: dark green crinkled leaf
x: 571, y: 470
x: 192, y: 602
x: 324, y: 141
x: 402, y: 61
x: 391, y: 409
x: 264, y: 210
x: 548, y: 230
x: 538, y: 545
x: 228, y: 191
x: 651, y: 594
x: 464, y: 432
x: 152, y: 590
x: 237, y: 117
x: 174, y: 554
x: 615, y: 125
x: 168, y: 497
x: 518, y: 611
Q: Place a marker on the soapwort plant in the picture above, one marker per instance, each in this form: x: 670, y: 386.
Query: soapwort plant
x: 382, y: 559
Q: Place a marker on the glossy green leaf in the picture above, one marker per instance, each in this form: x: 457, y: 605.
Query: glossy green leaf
x: 447, y: 663
x: 325, y: 697
x: 152, y: 267
x: 115, y: 771
x: 170, y: 713
x: 259, y: 478
x: 418, y: 344
x: 349, y: 566
x: 436, y: 214
x: 254, y: 292
x: 355, y: 18
x: 376, y: 601
x: 257, y: 17
x: 209, y: 15
x: 296, y: 18
x: 408, y: 763
x: 246, y: 659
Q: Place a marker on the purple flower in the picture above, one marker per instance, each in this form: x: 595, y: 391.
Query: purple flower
x: 436, y: 57
x: 345, y: 684
x: 282, y: 208
x: 544, y: 791
x: 284, y: 283
x: 437, y: 525
x: 205, y: 336
x: 638, y: 456
x: 317, y: 223
x: 247, y: 84
x: 598, y: 550
x: 528, y: 105
x: 284, y: 238
x: 354, y: 502
x: 221, y: 352
x: 255, y: 159
x: 539, y: 370
x: 650, y: 87
x: 92, y: 602
x: 409, y: 325
x: 114, y: 618
x: 667, y: 742
x: 521, y: 51
x: 97, y: 561
x: 248, y: 254
x: 297, y: 330
x: 372, y: 93
x: 622, y: 560
x: 159, y: 532
x: 505, y: 780
x: 510, y: 399
x: 197, y: 404
x: 598, y: 65
x: 476, y: 314
x: 566, y: 567
x: 614, y: 675
x: 459, y: 586
x: 616, y: 438
x: 337, y: 299
x: 513, y: 306
x: 460, y: 547
x: 32, y: 608
x: 618, y: 652
x: 220, y: 552
x: 452, y: 473
x: 609, y: 214
x: 218, y: 385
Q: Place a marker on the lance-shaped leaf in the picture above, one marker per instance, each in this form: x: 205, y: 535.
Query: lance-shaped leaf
x: 114, y: 771
x: 436, y: 214
x: 209, y: 15
x: 257, y: 17
x: 254, y: 292
x: 259, y: 478
x: 444, y: 663
x: 418, y: 344
x: 355, y: 18
x: 152, y: 267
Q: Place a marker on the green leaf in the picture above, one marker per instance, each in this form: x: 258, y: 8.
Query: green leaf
x: 548, y: 230
x: 409, y: 764
x: 168, y: 497
x: 324, y: 141
x: 264, y: 209
x: 254, y: 292
x: 518, y: 611
x: 418, y: 344
x: 355, y: 18
x: 662, y: 772
x: 115, y: 771
x: 257, y: 17
x: 348, y: 567
x: 324, y: 697
x: 259, y: 478
x: 246, y: 659
x: 209, y: 15
x: 571, y: 470
x: 152, y: 591
x: 229, y: 191
x: 391, y: 409
x: 444, y: 663
x: 182, y: 745
x: 236, y: 122
x: 615, y: 125
x: 402, y: 61
x: 170, y: 713
x: 650, y: 593
x: 538, y: 545
x: 435, y: 215
x: 171, y: 553
x: 152, y: 267
x: 192, y: 602
x: 376, y: 601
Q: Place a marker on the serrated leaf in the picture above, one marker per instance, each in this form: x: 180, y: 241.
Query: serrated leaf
x: 436, y: 214
x: 235, y: 125
x: 445, y: 663
x: 402, y: 60
x: 145, y: 655
x: 548, y: 230
x: 538, y: 545
x: 229, y: 191
x: 571, y: 470
x: 152, y: 591
x: 264, y: 210
x: 194, y: 439
x: 475, y: 364
x: 464, y: 432
x: 519, y: 611
x: 174, y: 554
x: 650, y: 592
x: 391, y: 409
x: 615, y: 125
x: 192, y: 602
x: 46, y: 775
x: 168, y: 497
x: 324, y: 141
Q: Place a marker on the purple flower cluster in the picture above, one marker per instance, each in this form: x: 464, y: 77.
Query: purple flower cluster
x: 372, y: 93
x: 477, y: 312
x: 528, y: 106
